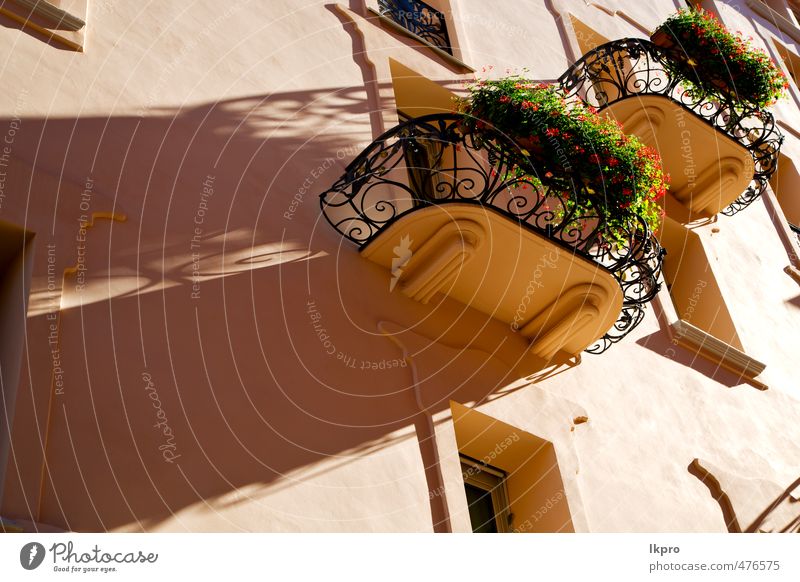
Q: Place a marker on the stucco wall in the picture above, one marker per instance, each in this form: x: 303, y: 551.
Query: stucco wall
x: 218, y: 302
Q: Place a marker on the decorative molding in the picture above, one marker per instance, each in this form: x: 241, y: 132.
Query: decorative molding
x: 438, y: 260
x: 719, y: 352
x: 63, y: 27
x: 704, y: 344
x: 789, y: 128
x: 53, y: 13
x: 777, y: 19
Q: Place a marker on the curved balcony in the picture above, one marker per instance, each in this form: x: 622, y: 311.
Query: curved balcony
x: 733, y: 149
x: 448, y: 210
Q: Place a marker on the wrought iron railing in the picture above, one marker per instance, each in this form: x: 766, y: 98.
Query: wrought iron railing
x: 436, y: 160
x: 424, y: 20
x: 633, y: 67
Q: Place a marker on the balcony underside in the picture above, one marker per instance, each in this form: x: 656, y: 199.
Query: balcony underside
x: 475, y: 255
x: 708, y: 169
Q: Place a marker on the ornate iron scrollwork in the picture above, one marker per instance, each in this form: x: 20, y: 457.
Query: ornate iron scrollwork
x: 436, y: 160
x: 632, y: 67
x: 421, y: 19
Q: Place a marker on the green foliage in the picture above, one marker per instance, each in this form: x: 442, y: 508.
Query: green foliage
x: 714, y: 60
x: 569, y: 143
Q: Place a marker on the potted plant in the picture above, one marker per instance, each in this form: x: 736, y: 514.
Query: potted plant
x: 569, y: 143
x: 713, y: 60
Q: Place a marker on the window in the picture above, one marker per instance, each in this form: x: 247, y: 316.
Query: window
x: 423, y: 157
x: 511, y: 477
x: 419, y: 18
x: 417, y: 96
x: 487, y: 498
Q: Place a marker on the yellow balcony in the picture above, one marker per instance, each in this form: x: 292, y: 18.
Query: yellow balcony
x: 719, y: 152
x: 709, y: 170
x: 445, y: 212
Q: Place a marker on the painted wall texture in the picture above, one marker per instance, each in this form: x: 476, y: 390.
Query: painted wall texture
x: 203, y: 352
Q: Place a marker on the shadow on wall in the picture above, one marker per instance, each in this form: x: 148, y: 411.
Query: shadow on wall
x: 737, y: 499
x: 661, y: 343
x: 223, y: 338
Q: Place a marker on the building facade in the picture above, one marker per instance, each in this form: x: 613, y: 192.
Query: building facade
x: 194, y: 340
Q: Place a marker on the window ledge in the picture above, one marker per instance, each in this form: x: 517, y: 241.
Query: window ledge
x: 402, y: 30
x: 717, y: 351
x: 53, y: 13
x: 66, y: 27
x: 705, y: 345
x: 775, y: 18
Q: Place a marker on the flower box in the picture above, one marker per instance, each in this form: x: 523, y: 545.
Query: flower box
x: 710, y: 59
x: 571, y: 151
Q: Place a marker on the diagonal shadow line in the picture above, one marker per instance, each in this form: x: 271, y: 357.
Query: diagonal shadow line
x: 772, y: 506
x: 731, y: 521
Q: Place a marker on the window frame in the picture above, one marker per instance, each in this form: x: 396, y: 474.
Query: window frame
x: 452, y: 58
x: 492, y: 480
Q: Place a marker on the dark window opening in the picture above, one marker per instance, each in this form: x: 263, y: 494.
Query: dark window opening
x: 420, y: 18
